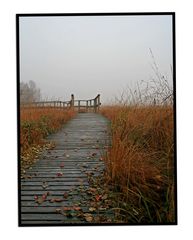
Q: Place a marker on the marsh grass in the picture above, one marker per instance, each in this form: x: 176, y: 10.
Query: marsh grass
x: 140, y: 163
x: 35, y: 125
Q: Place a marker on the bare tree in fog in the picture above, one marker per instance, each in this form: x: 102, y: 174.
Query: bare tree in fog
x: 29, y: 92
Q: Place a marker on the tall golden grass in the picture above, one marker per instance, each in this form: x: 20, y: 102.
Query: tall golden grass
x: 37, y: 123
x: 140, y: 162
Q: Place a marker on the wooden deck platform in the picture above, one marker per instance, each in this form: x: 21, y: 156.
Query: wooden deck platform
x: 56, y: 190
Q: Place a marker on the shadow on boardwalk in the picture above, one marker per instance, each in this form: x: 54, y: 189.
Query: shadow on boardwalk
x: 57, y: 189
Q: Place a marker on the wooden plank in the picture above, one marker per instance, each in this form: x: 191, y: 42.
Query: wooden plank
x: 81, y: 137
x: 48, y: 222
x: 54, y: 180
x: 43, y: 176
x: 36, y: 216
x: 28, y: 200
x: 51, y: 188
x: 52, y: 209
x: 54, y: 183
x: 41, y: 192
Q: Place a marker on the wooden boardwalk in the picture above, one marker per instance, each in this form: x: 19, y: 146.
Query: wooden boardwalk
x: 57, y: 189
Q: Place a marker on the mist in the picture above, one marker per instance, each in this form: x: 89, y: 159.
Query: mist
x: 90, y: 55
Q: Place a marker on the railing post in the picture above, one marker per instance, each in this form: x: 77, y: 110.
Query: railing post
x: 98, y: 102
x: 72, y: 101
x: 78, y: 105
x: 95, y: 105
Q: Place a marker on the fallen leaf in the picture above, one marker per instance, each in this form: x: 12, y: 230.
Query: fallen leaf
x: 84, y: 165
x: 77, y: 208
x: 77, y: 204
x: 102, y: 209
x: 105, y: 196
x: 98, y: 197
x: 44, y: 185
x: 65, y: 195
x: 92, y: 209
x: 59, y: 174
x: 62, y: 165
x: 44, y: 196
x: 92, y: 190
x: 40, y: 200
x: 56, y: 200
x: 67, y: 208
x: 88, y: 217
x: 35, y: 197
x: 58, y: 210
x: 94, y: 154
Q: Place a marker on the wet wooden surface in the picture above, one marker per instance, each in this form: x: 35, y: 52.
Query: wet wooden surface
x: 60, y: 178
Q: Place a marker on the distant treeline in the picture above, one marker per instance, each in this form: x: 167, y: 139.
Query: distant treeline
x: 29, y: 92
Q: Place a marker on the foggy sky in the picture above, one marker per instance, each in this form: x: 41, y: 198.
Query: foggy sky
x: 87, y: 55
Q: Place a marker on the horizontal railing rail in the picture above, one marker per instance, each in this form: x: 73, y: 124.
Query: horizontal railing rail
x: 80, y: 105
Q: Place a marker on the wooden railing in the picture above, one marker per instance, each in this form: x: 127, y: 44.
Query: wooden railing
x: 79, y: 105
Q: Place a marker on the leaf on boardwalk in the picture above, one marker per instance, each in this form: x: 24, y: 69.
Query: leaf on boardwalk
x: 67, y: 211
x: 92, y: 209
x: 94, y: 154
x: 84, y: 165
x: 66, y: 155
x: 77, y: 208
x: 59, y: 174
x: 44, y: 185
x: 67, y: 208
x: 88, y: 217
x: 58, y: 210
x: 91, y: 189
x: 102, y: 209
x: 105, y: 196
x: 98, y: 197
x: 65, y: 195
x: 56, y: 200
x: 36, y: 197
x: 42, y: 198
x: 61, y: 165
